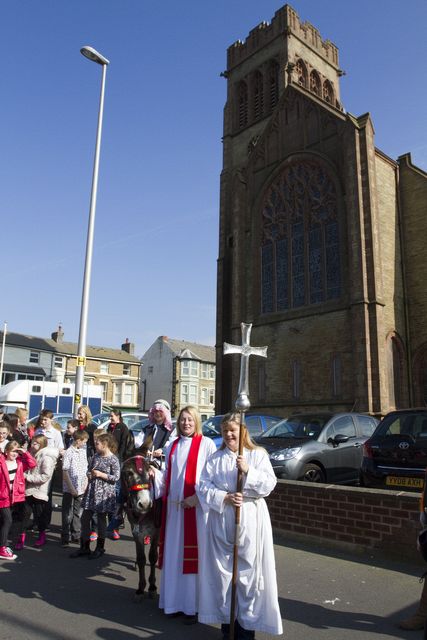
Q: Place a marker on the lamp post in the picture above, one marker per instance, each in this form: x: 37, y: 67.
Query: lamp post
x: 93, y: 55
x: 2, y: 352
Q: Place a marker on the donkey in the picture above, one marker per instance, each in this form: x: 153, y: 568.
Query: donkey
x: 144, y: 517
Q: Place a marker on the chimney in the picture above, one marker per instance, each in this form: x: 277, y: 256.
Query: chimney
x: 58, y: 336
x: 129, y: 347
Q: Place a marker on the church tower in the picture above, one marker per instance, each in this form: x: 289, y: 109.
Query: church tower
x: 309, y: 251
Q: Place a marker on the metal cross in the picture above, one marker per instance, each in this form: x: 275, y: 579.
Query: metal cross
x: 243, y: 402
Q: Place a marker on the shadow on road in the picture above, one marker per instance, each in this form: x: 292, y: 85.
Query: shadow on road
x: 319, y: 617
x: 97, y: 593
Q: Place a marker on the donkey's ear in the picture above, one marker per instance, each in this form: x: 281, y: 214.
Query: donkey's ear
x: 146, y: 446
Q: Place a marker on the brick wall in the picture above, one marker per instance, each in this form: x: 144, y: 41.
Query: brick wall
x: 348, y: 517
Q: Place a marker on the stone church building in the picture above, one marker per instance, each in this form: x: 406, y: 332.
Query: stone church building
x: 323, y: 237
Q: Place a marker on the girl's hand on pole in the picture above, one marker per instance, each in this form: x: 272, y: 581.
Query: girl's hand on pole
x: 235, y: 499
x: 242, y: 465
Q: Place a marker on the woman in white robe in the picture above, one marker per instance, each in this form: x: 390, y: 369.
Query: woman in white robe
x: 257, y: 607
x: 179, y: 590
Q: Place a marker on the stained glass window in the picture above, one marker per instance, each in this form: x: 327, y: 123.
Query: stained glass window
x: 298, y: 267
x: 315, y: 263
x: 300, y: 250
x: 267, y: 278
x: 282, y: 293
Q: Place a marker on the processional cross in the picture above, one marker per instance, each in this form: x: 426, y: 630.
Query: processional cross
x: 242, y: 404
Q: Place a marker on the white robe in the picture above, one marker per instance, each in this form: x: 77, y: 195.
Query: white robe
x: 179, y: 591
x: 257, y: 605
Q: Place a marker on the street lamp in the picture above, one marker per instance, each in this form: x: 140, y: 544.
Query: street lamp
x: 93, y: 55
x: 2, y: 353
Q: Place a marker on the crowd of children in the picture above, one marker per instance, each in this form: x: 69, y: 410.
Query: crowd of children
x: 32, y: 456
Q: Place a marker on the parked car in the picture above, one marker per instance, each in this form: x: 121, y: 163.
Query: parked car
x: 256, y: 424
x: 137, y: 427
x: 129, y: 418
x: 100, y: 418
x: 211, y: 428
x: 318, y: 447
x: 395, y: 457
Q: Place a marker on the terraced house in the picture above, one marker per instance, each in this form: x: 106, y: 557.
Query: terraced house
x: 52, y: 359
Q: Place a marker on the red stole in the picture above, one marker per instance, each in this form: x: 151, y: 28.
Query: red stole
x: 191, y: 555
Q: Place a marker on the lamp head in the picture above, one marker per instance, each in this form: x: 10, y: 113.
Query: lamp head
x: 94, y: 55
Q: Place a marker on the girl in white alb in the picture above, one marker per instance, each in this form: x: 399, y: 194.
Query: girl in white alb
x: 257, y: 607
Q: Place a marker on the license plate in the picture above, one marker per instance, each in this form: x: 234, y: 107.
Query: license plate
x: 413, y: 483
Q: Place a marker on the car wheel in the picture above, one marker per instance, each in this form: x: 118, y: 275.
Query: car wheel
x: 313, y: 473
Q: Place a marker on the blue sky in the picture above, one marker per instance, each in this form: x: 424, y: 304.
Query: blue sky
x: 156, y: 233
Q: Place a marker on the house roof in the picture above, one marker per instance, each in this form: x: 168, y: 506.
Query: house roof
x: 22, y: 368
x: 66, y: 348
x: 190, y: 350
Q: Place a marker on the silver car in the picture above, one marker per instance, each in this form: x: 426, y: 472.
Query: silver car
x: 318, y: 447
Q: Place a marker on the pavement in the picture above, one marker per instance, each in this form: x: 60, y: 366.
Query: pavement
x: 324, y: 595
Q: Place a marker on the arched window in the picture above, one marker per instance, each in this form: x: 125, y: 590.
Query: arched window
x: 258, y: 95
x: 301, y: 71
x: 315, y: 83
x: 273, y: 80
x: 296, y: 379
x: 261, y: 380
x: 300, y: 249
x: 395, y: 360
x: 242, y: 98
x: 328, y: 92
x: 336, y: 376
x: 420, y: 376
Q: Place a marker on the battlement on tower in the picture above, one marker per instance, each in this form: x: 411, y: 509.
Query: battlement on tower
x: 285, y: 22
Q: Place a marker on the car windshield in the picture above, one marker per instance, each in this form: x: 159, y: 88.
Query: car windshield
x: 304, y: 426
x: 139, y: 426
x: 62, y: 420
x: 210, y: 432
x: 282, y: 429
x: 412, y: 424
x: 99, y: 418
x: 212, y: 427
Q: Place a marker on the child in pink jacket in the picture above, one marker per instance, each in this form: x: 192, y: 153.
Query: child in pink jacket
x: 13, y: 463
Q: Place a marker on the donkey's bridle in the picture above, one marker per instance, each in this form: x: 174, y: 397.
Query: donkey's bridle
x: 138, y: 487
x: 139, y: 464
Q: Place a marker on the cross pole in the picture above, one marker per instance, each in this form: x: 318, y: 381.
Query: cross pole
x: 242, y: 405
